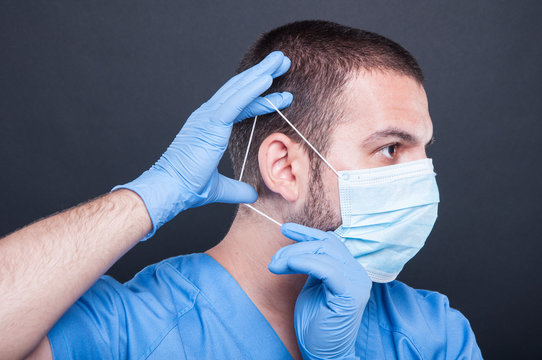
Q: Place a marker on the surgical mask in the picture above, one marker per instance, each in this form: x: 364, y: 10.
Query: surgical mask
x: 387, y: 212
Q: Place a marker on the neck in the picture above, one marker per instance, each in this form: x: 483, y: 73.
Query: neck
x: 245, y: 253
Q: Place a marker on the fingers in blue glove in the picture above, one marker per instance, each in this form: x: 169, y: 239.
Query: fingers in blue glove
x: 299, y: 232
x: 244, y: 92
x: 332, y: 244
x: 321, y: 266
x: 241, y: 97
x: 261, y: 107
x: 309, y: 247
x: 283, y: 68
x: 233, y: 192
x: 275, y: 64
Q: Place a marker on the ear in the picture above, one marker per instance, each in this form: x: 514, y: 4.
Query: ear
x: 284, y: 166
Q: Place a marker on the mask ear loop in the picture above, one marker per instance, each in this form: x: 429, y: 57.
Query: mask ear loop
x: 243, y: 170
x: 304, y: 139
x: 248, y: 149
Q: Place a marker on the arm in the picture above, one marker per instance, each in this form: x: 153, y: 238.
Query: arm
x: 47, y: 266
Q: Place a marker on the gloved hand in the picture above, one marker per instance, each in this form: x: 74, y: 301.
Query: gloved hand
x: 186, y: 175
x: 329, y: 309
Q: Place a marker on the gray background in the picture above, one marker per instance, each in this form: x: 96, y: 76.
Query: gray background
x: 92, y: 92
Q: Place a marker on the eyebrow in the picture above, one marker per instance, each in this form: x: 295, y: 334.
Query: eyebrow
x: 396, y: 133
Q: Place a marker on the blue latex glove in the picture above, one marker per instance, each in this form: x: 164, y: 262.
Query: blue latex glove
x: 329, y: 309
x: 186, y: 175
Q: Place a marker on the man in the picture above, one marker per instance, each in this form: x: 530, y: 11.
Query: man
x: 347, y: 155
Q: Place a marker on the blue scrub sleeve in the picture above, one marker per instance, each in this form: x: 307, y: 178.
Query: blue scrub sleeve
x: 417, y: 324
x: 124, y: 321
x: 461, y: 342
x: 94, y: 327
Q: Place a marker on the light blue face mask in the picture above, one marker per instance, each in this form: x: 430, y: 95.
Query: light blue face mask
x: 387, y: 212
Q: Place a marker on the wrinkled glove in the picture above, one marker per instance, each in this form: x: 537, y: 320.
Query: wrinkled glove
x: 329, y: 309
x: 186, y: 175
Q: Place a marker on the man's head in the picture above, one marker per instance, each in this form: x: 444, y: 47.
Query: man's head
x: 358, y: 98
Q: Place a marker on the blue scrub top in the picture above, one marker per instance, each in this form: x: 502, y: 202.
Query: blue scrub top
x: 189, y: 307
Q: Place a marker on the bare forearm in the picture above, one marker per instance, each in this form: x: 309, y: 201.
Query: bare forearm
x: 45, y: 267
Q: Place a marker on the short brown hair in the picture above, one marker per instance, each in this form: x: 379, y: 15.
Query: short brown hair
x: 323, y: 54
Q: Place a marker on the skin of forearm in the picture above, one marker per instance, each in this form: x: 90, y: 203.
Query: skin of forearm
x: 46, y: 266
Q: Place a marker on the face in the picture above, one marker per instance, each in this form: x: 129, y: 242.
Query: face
x: 385, y: 121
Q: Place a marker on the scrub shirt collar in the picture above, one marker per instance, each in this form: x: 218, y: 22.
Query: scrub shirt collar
x: 231, y: 302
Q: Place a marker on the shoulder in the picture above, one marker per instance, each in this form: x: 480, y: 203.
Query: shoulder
x: 113, y: 319
x: 167, y: 282
x: 425, y: 318
x: 399, y: 301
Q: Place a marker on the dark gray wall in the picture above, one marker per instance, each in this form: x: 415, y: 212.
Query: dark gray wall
x: 93, y: 92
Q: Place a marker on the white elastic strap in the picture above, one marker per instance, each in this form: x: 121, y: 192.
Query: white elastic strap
x: 307, y: 141
x: 248, y: 148
x: 264, y: 215
x: 243, y: 170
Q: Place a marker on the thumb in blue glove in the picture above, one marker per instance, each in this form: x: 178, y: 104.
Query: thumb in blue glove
x: 186, y: 175
x: 329, y: 309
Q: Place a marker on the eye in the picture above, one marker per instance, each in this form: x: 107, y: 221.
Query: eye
x: 389, y: 151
